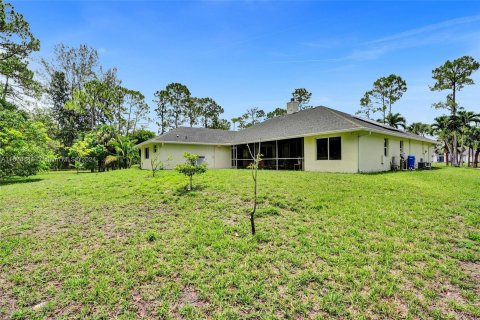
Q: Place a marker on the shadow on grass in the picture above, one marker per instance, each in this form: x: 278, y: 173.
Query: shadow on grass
x: 182, y: 191
x: 18, y: 180
x: 398, y: 171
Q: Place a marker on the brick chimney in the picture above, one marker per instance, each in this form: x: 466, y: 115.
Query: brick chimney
x: 292, y: 107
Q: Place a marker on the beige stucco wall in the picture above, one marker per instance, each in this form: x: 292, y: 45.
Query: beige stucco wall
x: 217, y: 157
x: 361, y: 152
x: 349, y: 162
x: 372, y: 157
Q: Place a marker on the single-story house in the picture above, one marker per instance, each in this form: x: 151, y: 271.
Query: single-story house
x: 318, y: 139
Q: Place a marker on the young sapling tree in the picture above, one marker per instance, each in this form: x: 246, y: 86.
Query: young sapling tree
x: 191, y: 167
x: 158, y: 165
x: 254, y: 169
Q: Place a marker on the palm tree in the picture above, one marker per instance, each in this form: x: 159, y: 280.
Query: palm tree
x: 234, y: 121
x: 464, y: 120
x: 442, y: 127
x: 125, y: 148
x: 396, y: 120
x: 472, y: 142
x: 419, y: 128
x: 475, y: 139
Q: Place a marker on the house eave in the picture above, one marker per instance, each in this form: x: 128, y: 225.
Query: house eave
x: 358, y: 129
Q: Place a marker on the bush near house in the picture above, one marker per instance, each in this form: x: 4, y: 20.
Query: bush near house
x: 385, y: 246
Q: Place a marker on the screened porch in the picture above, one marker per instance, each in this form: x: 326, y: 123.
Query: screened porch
x: 276, y: 155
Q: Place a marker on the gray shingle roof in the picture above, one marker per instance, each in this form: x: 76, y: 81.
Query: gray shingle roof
x: 306, y: 122
x: 196, y: 135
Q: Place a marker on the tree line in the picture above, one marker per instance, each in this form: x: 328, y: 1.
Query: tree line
x: 83, y: 113
x: 457, y: 132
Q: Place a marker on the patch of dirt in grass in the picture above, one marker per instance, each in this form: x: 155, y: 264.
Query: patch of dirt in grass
x: 8, y: 302
x: 449, y: 294
x: 473, y: 270
x: 142, y: 306
x: 188, y: 296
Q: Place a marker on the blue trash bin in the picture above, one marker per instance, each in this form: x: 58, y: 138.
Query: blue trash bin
x: 411, y: 162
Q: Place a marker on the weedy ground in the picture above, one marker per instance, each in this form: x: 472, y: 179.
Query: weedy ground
x: 125, y: 245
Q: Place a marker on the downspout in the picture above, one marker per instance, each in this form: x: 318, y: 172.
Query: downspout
x: 358, y: 149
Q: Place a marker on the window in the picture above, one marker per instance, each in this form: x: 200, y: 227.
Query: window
x: 385, y: 147
x: 401, y: 147
x: 322, y: 149
x: 335, y: 148
x: 154, y: 148
x: 201, y: 159
x: 147, y: 153
x: 329, y: 148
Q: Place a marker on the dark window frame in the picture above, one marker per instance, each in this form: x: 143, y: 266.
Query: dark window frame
x: 330, y: 143
x: 322, y: 150
x: 147, y: 153
x: 335, y: 143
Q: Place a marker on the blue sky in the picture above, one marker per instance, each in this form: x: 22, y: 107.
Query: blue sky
x: 248, y: 53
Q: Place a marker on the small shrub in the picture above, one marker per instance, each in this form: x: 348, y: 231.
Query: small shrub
x: 191, y: 167
x: 151, y: 236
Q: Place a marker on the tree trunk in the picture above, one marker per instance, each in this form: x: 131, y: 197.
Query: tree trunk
x: 469, y: 153
x: 4, y: 96
x: 455, y: 150
x: 252, y: 214
x: 191, y: 183
x: 475, y: 160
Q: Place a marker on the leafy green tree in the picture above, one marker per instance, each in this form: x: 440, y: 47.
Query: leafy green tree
x: 442, y: 128
x: 178, y: 97
x: 222, y: 124
x: 67, y: 74
x: 191, y: 167
x: 386, y: 91
x: 465, y: 120
x: 193, y: 111
x: 67, y: 120
x: 24, y: 147
x: 253, y: 116
x: 302, y: 96
x: 80, y: 153
x: 243, y: 122
x: 16, y: 45
x: 419, y: 128
x: 96, y: 105
x: 366, y: 105
x: 396, y: 120
x: 141, y: 135
x: 45, y: 116
x: 236, y: 120
x: 278, y: 112
x: 453, y: 76
x: 137, y: 111
x: 473, y: 141
x: 125, y: 149
x: 211, y: 112
x: 79, y: 66
x: 164, y: 113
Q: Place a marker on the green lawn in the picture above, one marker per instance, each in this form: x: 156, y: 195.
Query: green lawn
x: 125, y: 245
